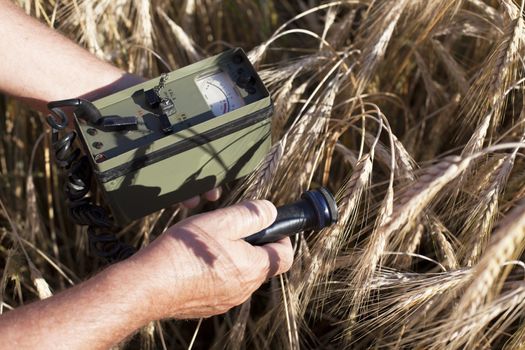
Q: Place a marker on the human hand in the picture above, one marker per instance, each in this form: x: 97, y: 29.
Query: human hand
x: 211, y: 196
x: 202, y: 266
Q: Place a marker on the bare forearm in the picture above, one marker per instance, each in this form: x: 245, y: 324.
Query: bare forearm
x: 199, y: 267
x: 39, y: 65
x: 93, y: 315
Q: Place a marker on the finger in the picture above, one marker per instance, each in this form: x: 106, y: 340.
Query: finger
x: 213, y: 195
x: 237, y: 221
x: 192, y: 202
x: 279, y: 256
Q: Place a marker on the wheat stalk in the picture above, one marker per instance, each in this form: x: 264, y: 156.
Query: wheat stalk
x: 406, y: 208
x: 479, y: 222
x: 446, y: 250
x: 506, y: 244
x: 497, y: 75
x: 182, y: 39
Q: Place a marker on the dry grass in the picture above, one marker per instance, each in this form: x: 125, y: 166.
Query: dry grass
x: 394, y: 105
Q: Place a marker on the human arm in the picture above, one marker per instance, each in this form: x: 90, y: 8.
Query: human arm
x: 198, y: 268
x: 39, y: 65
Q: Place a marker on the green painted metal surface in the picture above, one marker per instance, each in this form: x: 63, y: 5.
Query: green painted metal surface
x: 220, y: 131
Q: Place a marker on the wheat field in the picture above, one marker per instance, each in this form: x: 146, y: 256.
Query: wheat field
x: 412, y: 111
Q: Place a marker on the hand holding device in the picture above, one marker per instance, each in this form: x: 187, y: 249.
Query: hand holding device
x: 315, y: 210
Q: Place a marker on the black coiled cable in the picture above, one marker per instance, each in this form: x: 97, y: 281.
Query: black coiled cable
x: 102, y: 241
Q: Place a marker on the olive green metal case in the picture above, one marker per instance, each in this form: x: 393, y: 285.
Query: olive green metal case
x: 218, y: 130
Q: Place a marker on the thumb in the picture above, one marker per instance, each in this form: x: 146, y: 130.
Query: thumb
x: 238, y: 221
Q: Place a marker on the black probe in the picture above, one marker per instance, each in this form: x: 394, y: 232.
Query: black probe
x: 315, y: 210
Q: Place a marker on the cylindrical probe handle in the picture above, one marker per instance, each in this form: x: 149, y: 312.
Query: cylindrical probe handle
x: 291, y: 218
x: 317, y: 209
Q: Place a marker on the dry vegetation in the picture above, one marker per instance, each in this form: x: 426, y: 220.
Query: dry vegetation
x: 412, y: 111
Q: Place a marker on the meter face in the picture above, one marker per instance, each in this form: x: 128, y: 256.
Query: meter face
x: 220, y: 93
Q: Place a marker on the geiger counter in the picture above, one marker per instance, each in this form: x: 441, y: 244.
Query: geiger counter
x: 173, y: 137
x: 166, y: 140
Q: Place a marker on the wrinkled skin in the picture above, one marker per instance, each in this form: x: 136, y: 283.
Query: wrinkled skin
x: 202, y: 267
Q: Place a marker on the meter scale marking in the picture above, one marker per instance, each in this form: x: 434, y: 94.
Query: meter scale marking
x: 225, y: 101
x: 220, y: 93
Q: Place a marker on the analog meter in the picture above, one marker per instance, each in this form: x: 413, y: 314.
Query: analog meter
x: 170, y: 138
x: 220, y: 92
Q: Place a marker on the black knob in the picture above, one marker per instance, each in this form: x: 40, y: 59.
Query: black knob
x: 316, y: 209
x: 244, y: 79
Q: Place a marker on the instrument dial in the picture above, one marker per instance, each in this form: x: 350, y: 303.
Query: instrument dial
x: 220, y: 93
